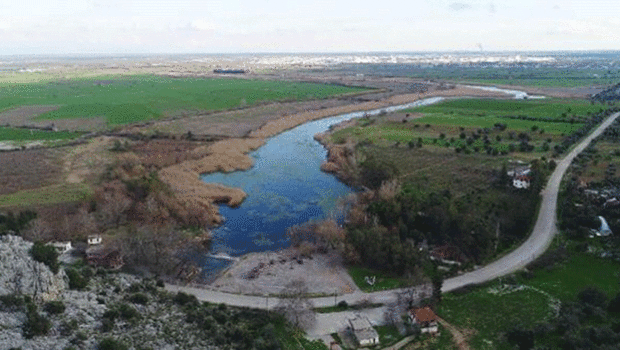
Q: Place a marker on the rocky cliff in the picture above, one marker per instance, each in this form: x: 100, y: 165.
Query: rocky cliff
x: 20, y: 274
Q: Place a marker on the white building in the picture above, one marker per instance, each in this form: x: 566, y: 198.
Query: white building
x: 94, y: 240
x: 363, y: 331
x: 62, y: 247
x: 521, y: 181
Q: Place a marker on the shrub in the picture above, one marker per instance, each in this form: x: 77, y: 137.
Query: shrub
x: 77, y: 280
x: 343, y: 304
x: 55, y: 307
x: 592, y: 296
x: 139, y: 298
x: 46, y: 254
x: 183, y: 298
x: 128, y: 312
x: 111, y: 344
x: 11, y: 301
x: 36, y: 324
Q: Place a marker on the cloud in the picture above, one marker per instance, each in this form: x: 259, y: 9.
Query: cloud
x: 460, y: 6
x: 492, y: 8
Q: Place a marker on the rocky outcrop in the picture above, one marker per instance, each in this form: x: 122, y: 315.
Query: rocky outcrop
x: 20, y: 274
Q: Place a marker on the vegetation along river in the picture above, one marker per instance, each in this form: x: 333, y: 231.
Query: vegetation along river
x: 285, y: 187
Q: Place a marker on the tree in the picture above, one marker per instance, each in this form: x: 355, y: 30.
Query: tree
x: 592, y: 296
x: 46, y: 254
x: 523, y: 338
x: 295, y: 306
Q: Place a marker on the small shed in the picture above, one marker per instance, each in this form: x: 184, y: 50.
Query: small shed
x: 364, y: 332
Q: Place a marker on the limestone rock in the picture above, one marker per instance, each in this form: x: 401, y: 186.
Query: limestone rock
x: 19, y: 273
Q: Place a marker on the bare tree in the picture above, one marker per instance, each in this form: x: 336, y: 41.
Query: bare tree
x: 295, y: 306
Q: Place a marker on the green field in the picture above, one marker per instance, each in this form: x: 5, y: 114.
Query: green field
x: 540, y: 77
x: 528, y: 301
x: 15, y: 134
x: 127, y: 99
x: 53, y: 194
x: 540, y: 109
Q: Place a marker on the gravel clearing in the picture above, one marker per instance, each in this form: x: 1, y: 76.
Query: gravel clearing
x: 268, y: 272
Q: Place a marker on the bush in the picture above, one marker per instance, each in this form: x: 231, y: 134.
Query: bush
x: 111, y: 344
x: 343, y: 304
x: 35, y: 324
x: 46, y: 254
x: 76, y: 279
x: 128, y: 312
x: 55, y: 307
x: 11, y: 301
x: 138, y: 298
x: 183, y: 298
x: 592, y: 296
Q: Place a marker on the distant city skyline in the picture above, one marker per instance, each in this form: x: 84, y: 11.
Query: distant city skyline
x: 321, y: 26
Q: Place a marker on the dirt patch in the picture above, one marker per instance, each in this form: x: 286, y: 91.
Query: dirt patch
x: 269, y: 272
x: 163, y: 153
x: 459, y: 337
x: 28, y: 169
x: 24, y: 115
x: 88, y: 161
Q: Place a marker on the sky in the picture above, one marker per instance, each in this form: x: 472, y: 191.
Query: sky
x: 266, y: 26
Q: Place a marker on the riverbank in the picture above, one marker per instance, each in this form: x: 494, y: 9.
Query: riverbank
x: 232, y: 154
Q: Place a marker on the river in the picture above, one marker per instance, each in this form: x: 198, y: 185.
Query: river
x: 285, y: 187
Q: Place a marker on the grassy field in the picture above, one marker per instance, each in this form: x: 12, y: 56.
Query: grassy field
x: 17, y: 134
x: 383, y: 282
x: 496, y: 308
x: 54, y: 194
x: 540, y: 109
x: 538, y: 77
x: 127, y: 99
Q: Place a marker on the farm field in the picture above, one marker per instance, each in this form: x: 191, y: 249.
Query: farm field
x: 539, y: 109
x: 498, y: 127
x: 127, y: 99
x: 536, y: 77
x: 18, y: 134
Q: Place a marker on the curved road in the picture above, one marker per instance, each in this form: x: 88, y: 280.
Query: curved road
x: 536, y: 244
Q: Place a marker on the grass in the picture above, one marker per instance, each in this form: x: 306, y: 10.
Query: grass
x: 580, y: 271
x: 127, y: 99
x: 382, y: 282
x: 54, y: 194
x: 532, y: 76
x: 541, y: 109
x: 492, y: 314
x: 18, y: 134
x: 388, y: 335
x: 490, y: 121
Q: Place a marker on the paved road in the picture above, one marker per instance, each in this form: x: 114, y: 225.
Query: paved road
x: 536, y: 244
